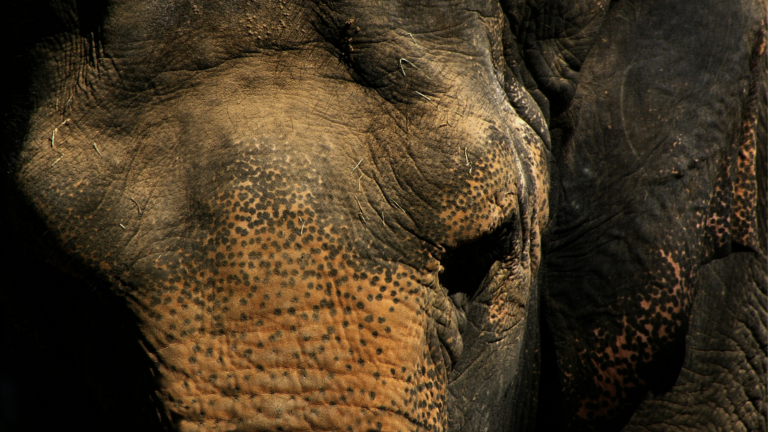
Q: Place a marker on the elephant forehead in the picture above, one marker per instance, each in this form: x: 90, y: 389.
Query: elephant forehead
x: 420, y: 168
x: 417, y: 112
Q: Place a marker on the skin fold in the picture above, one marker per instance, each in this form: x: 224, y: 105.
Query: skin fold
x: 259, y: 216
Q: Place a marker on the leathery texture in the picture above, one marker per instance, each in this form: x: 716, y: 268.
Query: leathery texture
x: 282, y: 263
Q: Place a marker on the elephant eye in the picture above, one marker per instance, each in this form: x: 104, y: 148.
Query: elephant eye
x: 467, y: 265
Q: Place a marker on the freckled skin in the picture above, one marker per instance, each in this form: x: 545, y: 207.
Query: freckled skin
x: 278, y: 235
x: 624, y: 278
x: 345, y: 216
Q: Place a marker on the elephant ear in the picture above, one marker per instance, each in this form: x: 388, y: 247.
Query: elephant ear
x: 658, y: 175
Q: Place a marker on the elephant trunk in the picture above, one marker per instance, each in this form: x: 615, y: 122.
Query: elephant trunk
x: 276, y: 339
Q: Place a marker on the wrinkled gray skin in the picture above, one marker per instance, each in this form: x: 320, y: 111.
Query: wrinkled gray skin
x: 463, y: 216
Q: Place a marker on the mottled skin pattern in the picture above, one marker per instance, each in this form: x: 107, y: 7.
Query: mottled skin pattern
x: 658, y: 148
x: 736, y: 404
x: 278, y: 234
x: 346, y: 215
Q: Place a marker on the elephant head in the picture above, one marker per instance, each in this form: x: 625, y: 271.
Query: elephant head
x: 393, y: 215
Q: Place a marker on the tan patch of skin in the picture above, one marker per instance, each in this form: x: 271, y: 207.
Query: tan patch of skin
x: 616, y: 367
x: 503, y: 292
x: 286, y: 343
x: 677, y: 290
x: 745, y: 187
x: 610, y: 379
x: 514, y: 190
x: 733, y: 210
x: 718, y: 218
x: 721, y: 226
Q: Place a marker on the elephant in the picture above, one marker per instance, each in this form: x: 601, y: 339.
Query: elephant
x: 432, y: 215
